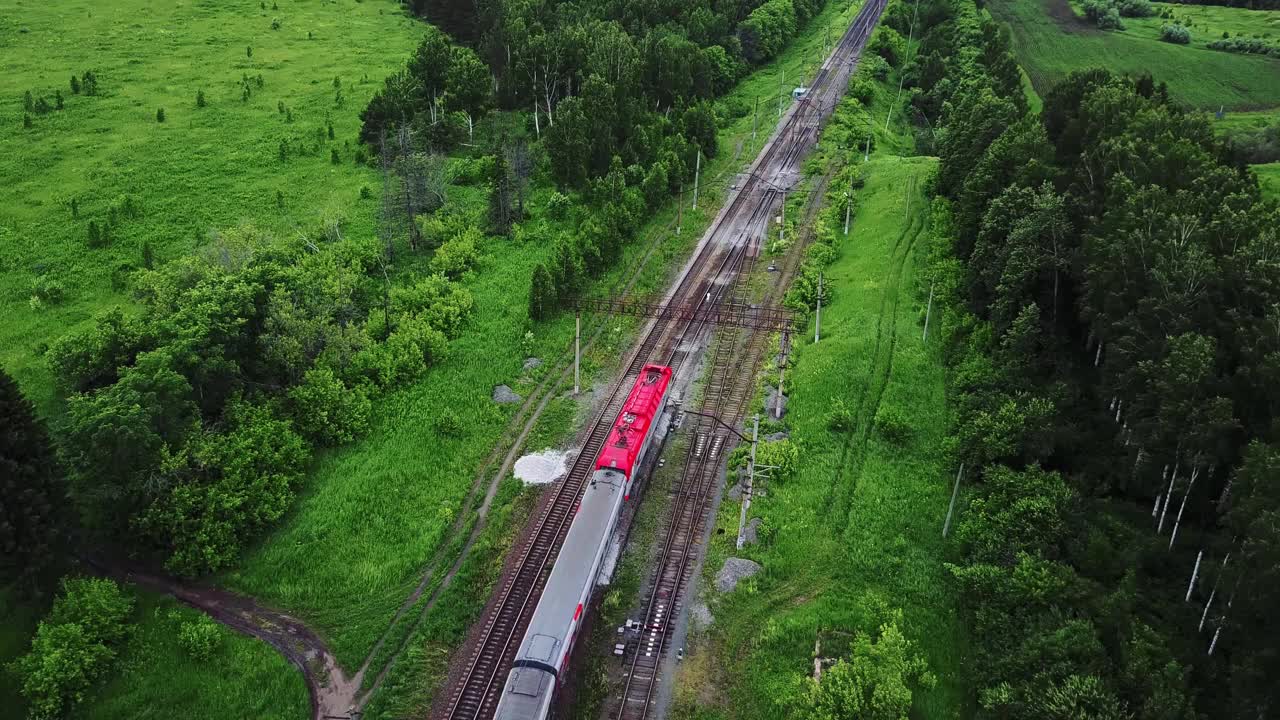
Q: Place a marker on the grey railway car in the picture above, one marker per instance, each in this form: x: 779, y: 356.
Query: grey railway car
x: 544, y: 652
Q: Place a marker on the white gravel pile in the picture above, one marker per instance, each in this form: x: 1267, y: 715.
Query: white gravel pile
x: 542, y: 467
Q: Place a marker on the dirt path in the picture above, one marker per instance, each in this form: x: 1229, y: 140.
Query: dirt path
x: 332, y: 692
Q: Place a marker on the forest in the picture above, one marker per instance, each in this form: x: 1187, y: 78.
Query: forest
x: 1110, y: 275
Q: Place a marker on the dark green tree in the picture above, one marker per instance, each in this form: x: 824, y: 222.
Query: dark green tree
x: 33, y: 503
x: 542, y: 293
x: 502, y: 201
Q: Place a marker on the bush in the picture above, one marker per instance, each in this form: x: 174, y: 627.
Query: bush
x: 1252, y: 46
x: 1177, y: 34
x: 457, y: 255
x: 73, y: 647
x: 199, y: 638
x: 840, y: 418
x: 326, y: 411
x: 892, y: 425
x: 862, y: 89
x: 200, y: 101
x: 159, y: 115
x: 558, y: 206
x: 47, y: 290
x: 447, y: 423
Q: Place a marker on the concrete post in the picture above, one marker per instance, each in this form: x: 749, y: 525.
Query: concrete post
x: 817, y: 315
x: 577, y: 351
x: 751, y: 481
x: 697, y: 170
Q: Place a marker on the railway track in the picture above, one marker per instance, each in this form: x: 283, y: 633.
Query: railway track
x: 727, y: 393
x: 726, y: 255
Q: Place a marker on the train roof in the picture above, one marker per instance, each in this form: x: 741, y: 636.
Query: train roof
x: 632, y: 424
x: 592, y: 523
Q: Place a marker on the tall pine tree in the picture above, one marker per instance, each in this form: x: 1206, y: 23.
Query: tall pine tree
x: 32, y: 488
x: 502, y: 209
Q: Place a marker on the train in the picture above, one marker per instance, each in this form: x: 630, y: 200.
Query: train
x: 544, y: 651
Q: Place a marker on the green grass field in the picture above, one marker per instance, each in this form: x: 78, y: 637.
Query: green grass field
x: 200, y: 170
x: 1269, y: 178
x: 1050, y: 41
x: 857, y: 529
x: 157, y: 679
x: 1207, y: 22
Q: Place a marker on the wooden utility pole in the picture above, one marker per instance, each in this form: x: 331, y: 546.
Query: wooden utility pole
x: 817, y: 315
x: 577, y: 351
x: 697, y: 170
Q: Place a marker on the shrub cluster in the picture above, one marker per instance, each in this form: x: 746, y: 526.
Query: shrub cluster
x: 1175, y: 33
x: 190, y: 421
x: 1251, y: 46
x: 75, y: 646
x: 1107, y: 13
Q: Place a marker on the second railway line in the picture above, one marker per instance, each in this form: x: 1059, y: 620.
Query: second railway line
x: 713, y: 277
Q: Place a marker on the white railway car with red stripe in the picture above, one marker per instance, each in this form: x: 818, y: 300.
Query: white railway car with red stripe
x: 544, y: 652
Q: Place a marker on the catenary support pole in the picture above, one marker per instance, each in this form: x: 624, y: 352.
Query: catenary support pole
x: 782, y: 90
x: 817, y: 314
x: 848, y: 205
x: 751, y: 482
x: 755, y: 119
x: 782, y: 227
x: 782, y: 376
x: 927, y: 310
x: 697, y: 170
x: 680, y: 209
x: 577, y: 351
x: 946, y: 526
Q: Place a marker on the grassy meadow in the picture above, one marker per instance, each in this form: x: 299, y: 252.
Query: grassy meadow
x: 856, y: 530
x: 158, y: 679
x: 1207, y: 22
x: 1051, y: 40
x: 1269, y: 177
x: 202, y: 169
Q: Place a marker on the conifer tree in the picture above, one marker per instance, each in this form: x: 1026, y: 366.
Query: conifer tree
x: 501, y: 196
x: 32, y: 488
x: 542, y: 293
